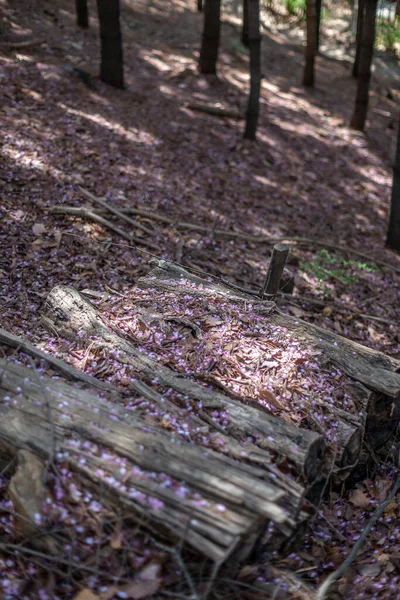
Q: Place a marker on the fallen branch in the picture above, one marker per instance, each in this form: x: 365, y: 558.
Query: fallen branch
x: 334, y: 307
x: 8, y: 339
x: 21, y: 44
x: 323, y: 589
x: 256, y: 239
x: 115, y: 211
x: 89, y: 214
x: 217, y: 111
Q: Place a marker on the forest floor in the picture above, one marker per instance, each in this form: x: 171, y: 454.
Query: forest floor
x: 309, y: 179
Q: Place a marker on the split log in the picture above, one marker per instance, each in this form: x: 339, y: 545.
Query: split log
x: 74, y: 318
x: 225, y: 506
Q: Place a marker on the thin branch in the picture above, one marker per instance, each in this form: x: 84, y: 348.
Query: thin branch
x: 59, y: 365
x: 323, y: 589
x: 335, y: 308
x: 257, y: 239
x: 217, y: 111
x: 93, y: 216
x: 21, y: 44
x: 115, y: 211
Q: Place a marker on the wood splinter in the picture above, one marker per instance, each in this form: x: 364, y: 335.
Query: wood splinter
x: 275, y: 270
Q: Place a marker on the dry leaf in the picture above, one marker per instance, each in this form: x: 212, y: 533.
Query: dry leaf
x: 360, y: 499
x: 39, y: 228
x: 145, y: 584
x: 86, y: 594
x: 270, y: 398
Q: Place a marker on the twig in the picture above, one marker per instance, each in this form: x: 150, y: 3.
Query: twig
x: 217, y: 111
x: 335, y: 308
x: 21, y: 44
x: 323, y: 589
x: 115, y: 211
x: 89, y: 214
x: 257, y: 239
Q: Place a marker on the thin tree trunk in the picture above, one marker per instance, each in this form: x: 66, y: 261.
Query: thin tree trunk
x: 82, y: 14
x: 398, y: 8
x: 364, y: 69
x: 245, y: 24
x: 211, y: 36
x: 200, y: 5
x: 393, y: 234
x: 318, y: 8
x: 253, y: 107
x: 311, y: 46
x: 360, y: 21
x: 112, y: 68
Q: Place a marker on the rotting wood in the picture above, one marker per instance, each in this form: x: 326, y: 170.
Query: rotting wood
x: 376, y: 376
x: 71, y: 316
x: 72, y: 420
x: 275, y: 270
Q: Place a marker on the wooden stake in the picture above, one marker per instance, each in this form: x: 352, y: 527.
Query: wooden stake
x: 275, y: 270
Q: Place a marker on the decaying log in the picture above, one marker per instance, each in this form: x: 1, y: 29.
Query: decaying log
x: 72, y: 317
x: 375, y: 376
x: 225, y: 503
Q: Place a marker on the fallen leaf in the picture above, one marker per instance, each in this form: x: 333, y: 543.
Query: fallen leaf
x: 86, y: 594
x: 360, y: 499
x: 270, y: 398
x: 145, y: 584
x: 39, y: 228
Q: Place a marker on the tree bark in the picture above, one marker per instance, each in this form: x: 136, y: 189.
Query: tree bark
x: 76, y: 422
x: 393, y: 235
x: 245, y: 24
x: 364, y: 69
x: 311, y: 45
x: 253, y: 106
x: 318, y: 6
x: 211, y: 37
x: 82, y: 14
x: 398, y: 8
x: 360, y: 21
x: 112, y: 69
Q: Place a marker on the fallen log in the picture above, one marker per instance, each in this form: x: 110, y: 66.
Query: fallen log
x: 172, y: 487
x: 371, y: 380
x: 73, y: 317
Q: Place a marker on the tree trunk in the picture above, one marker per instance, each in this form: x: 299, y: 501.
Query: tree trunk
x: 398, y: 8
x: 393, y: 235
x: 253, y: 107
x: 360, y: 21
x: 82, y: 14
x: 364, y: 69
x: 318, y: 7
x: 311, y: 46
x: 211, y: 36
x: 245, y: 24
x: 200, y: 5
x: 112, y: 69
